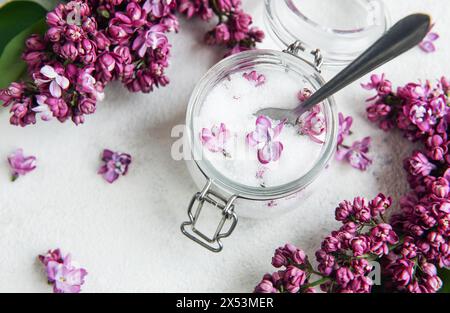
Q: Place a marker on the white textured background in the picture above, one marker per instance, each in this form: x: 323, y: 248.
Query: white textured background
x: 127, y: 234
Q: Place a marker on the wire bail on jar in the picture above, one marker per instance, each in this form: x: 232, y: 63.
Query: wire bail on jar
x: 207, y: 196
x: 297, y: 47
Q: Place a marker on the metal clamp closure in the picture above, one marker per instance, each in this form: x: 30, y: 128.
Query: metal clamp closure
x: 207, y: 196
x: 297, y: 47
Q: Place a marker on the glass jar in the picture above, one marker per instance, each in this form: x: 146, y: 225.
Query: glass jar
x: 342, y: 29
x: 230, y: 197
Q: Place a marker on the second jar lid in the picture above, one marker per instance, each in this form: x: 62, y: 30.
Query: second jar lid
x: 342, y: 29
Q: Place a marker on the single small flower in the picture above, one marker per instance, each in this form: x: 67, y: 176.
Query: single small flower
x: 151, y: 38
x: 345, y: 124
x: 43, y: 109
x: 57, y: 82
x: 427, y: 45
x: 64, y: 275
x: 115, y: 164
x: 253, y: 76
x: 313, y: 124
x: 216, y: 138
x: 51, y: 255
x: 379, y: 83
x: 356, y: 155
x: 20, y: 164
x: 67, y: 279
x: 264, y: 139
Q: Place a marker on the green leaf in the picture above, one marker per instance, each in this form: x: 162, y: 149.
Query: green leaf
x: 444, y: 274
x: 16, y: 17
x: 12, y: 66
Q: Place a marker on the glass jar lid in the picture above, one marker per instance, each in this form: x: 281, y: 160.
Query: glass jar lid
x: 342, y: 30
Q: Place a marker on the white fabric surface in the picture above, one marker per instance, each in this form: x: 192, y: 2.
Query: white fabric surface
x: 127, y: 234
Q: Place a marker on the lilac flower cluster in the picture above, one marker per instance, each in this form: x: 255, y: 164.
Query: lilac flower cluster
x: 421, y: 111
x: 88, y: 44
x: 62, y: 273
x: 234, y: 28
x: 344, y: 259
x: 345, y: 256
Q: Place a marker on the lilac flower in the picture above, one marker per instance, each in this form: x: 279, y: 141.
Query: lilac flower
x: 419, y: 165
x: 43, y: 109
x: 427, y: 45
x: 57, y: 81
x: 360, y: 245
x: 382, y: 86
x: 345, y: 124
x: 62, y: 273
x: 266, y: 285
x: 270, y: 283
x: 381, y: 237
x: 20, y: 164
x: 221, y: 34
x: 344, y: 276
x: 264, y: 139
x: 344, y: 211
x: 115, y: 164
x: 380, y: 204
x: 356, y: 155
x: 151, y: 38
x: 88, y: 84
x: 216, y: 138
x: 156, y: 7
x: 294, y: 279
x: 66, y: 279
x: 287, y: 255
x: 313, y: 124
x: 253, y: 76
x: 51, y: 255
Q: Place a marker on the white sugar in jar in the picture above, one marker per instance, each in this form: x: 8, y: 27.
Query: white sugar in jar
x: 251, y: 166
x: 227, y: 119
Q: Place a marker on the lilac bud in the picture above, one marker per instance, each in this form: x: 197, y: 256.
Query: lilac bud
x: 87, y: 105
x: 222, y: 34
x: 343, y: 276
x: 433, y: 283
x: 441, y: 188
x: 78, y: 119
x: 294, y: 278
x: 124, y: 53
x: 266, y: 285
x: 359, y: 245
x: 380, y: 204
x: 54, y: 34
x: 343, y: 211
x: 35, y: 43
x: 279, y: 259
x: 102, y: 41
x: 331, y: 244
x: 257, y: 34
x: 69, y: 51
x: 54, y: 18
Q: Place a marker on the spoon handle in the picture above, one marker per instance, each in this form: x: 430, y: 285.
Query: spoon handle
x: 403, y: 36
